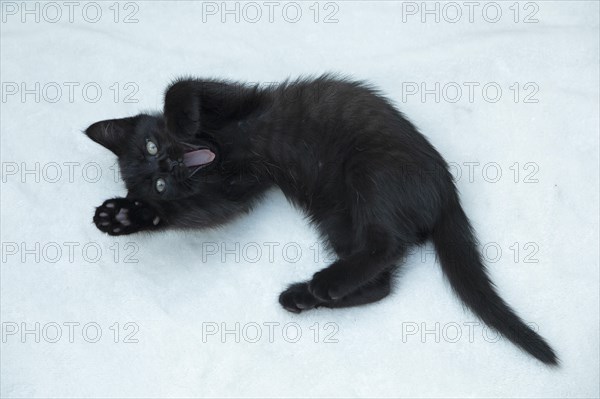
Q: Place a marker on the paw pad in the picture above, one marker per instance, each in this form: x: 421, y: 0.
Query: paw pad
x: 122, y: 216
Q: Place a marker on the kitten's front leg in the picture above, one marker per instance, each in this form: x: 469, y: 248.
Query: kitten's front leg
x: 119, y: 216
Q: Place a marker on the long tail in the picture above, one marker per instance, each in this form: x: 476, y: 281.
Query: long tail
x: 461, y: 261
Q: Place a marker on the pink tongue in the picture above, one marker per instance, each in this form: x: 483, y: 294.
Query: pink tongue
x: 198, y: 157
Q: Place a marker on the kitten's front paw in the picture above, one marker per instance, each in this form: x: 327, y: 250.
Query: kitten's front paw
x: 121, y: 216
x: 297, y: 298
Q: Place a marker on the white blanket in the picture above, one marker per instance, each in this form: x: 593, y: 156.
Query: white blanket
x: 512, y: 105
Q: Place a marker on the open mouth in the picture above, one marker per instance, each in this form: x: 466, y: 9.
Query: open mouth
x: 197, y: 157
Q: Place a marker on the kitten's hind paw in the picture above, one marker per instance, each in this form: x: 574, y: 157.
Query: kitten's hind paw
x: 121, y: 216
x: 297, y: 298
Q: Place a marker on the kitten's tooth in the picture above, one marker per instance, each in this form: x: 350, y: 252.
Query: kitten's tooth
x: 156, y: 220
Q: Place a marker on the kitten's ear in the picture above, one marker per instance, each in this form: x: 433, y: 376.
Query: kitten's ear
x: 113, y: 133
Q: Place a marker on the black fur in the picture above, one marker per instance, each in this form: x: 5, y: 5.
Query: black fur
x: 369, y: 181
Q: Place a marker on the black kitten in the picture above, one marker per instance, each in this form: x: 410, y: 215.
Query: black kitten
x: 369, y: 181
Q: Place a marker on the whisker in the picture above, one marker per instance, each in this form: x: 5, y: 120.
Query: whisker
x: 194, y: 172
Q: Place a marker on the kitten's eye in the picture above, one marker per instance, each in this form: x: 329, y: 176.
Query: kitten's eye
x: 151, y: 148
x: 160, y: 185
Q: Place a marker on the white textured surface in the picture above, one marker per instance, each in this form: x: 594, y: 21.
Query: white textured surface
x: 171, y: 291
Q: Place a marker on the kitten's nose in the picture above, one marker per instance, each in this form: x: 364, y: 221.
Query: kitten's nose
x: 177, y: 169
x: 168, y: 164
x: 172, y: 164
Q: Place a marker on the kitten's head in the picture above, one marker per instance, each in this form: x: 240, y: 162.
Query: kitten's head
x: 153, y: 164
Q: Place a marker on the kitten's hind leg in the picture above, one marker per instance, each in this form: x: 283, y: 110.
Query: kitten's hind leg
x: 298, y: 297
x: 370, y: 292
x: 119, y: 216
x: 376, y: 249
x: 361, y: 275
